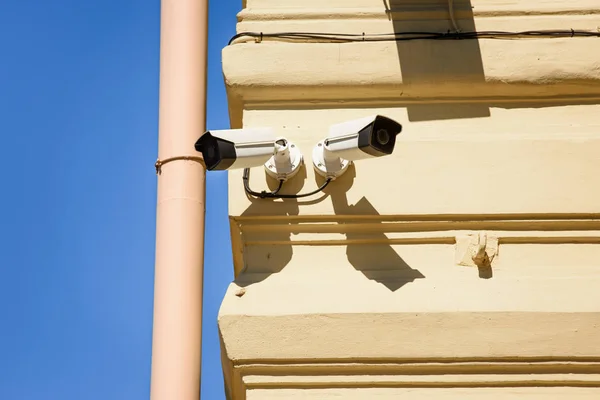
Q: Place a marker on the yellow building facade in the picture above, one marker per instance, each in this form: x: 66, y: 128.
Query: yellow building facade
x: 373, y: 289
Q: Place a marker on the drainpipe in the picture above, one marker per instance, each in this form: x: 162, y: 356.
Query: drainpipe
x: 180, y: 211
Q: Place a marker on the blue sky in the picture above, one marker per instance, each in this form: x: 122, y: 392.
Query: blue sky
x: 78, y: 108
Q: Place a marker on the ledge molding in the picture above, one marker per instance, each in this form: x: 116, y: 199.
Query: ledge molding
x: 508, y: 351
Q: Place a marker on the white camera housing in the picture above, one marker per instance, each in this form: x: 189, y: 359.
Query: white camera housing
x: 373, y: 136
x: 247, y: 148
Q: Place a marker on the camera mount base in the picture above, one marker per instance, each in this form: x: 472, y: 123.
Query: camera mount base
x: 286, y: 162
x: 327, y: 164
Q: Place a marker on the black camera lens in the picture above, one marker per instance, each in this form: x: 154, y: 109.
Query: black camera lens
x: 210, y: 151
x: 383, y: 137
x: 218, y: 154
x: 379, y: 137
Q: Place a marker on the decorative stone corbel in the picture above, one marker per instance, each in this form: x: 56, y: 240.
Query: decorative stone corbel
x: 476, y: 250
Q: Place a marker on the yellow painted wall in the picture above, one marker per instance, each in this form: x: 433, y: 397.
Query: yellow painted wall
x: 338, y: 295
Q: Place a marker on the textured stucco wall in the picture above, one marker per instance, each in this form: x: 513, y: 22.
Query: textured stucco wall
x: 357, y: 293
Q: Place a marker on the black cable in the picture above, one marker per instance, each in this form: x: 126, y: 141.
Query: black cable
x: 299, y: 196
x: 402, y: 36
x: 275, y: 194
x: 264, y: 194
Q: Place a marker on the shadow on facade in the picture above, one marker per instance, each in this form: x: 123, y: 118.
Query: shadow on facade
x: 367, y: 252
x: 272, y: 257
x: 436, y: 63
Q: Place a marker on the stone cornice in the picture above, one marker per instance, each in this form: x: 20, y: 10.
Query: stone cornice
x: 324, y: 230
x: 347, y: 230
x: 420, y: 10
x: 327, y: 337
x: 453, y: 374
x: 269, y: 74
x: 371, y: 72
x: 449, y: 373
x: 303, y: 353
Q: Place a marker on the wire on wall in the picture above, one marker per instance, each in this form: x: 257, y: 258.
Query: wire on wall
x: 275, y: 193
x: 405, y: 36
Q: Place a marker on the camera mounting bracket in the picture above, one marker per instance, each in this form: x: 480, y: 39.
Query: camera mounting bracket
x: 327, y: 164
x: 285, y: 162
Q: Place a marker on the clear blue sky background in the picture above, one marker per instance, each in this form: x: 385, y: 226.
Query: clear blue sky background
x: 78, y: 118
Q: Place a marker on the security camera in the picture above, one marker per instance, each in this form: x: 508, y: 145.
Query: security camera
x: 368, y: 137
x: 250, y: 147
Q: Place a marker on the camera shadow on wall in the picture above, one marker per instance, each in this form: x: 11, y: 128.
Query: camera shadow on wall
x: 369, y: 251
x: 270, y: 247
x: 437, y: 65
